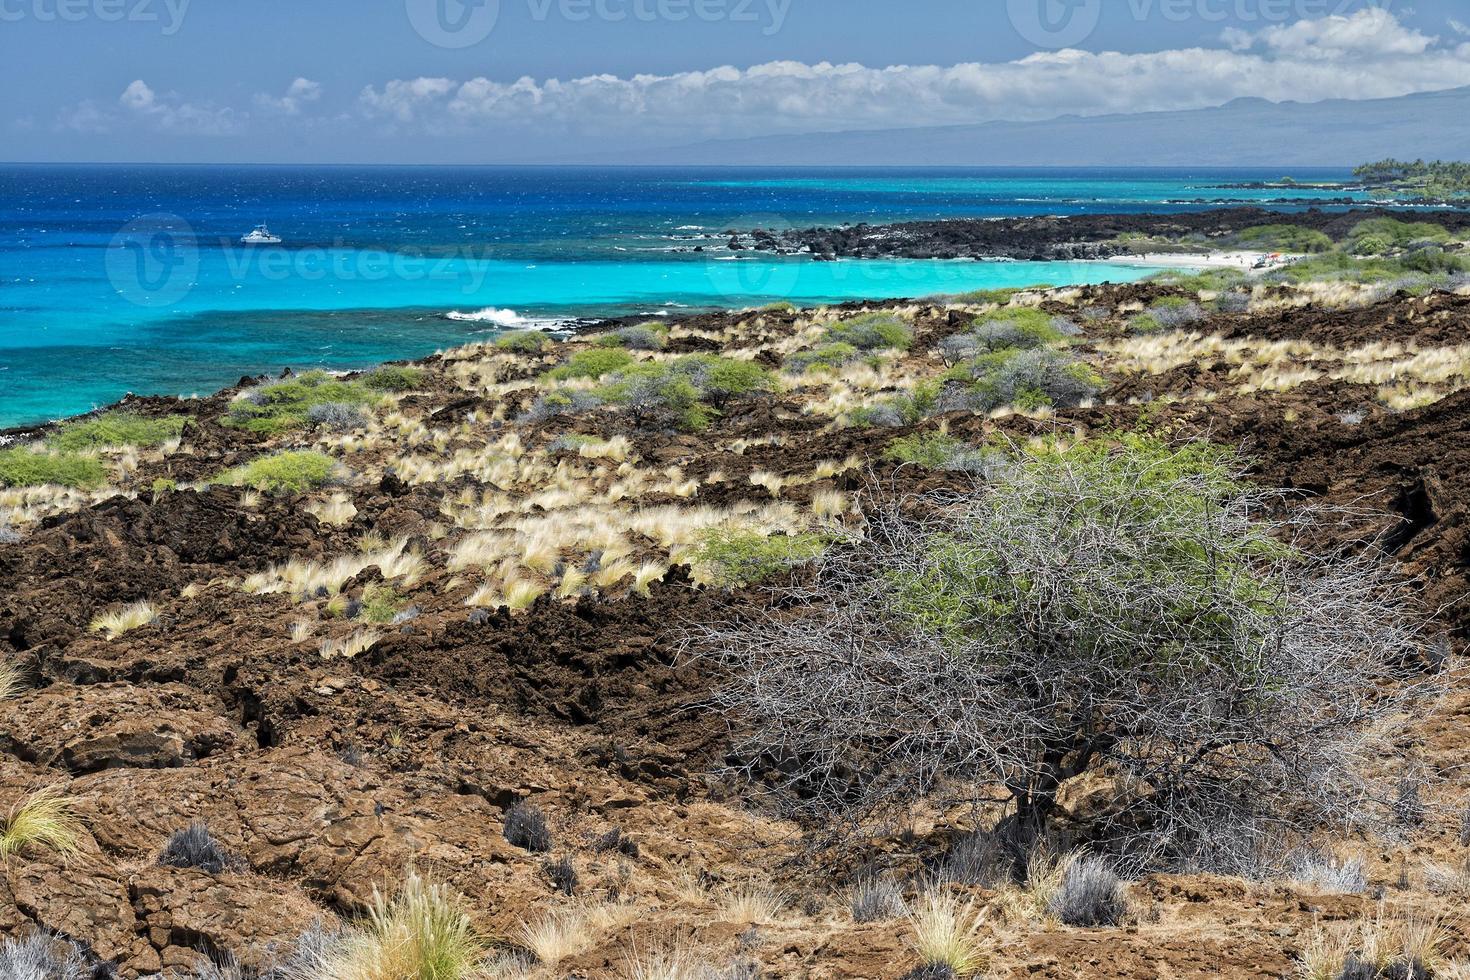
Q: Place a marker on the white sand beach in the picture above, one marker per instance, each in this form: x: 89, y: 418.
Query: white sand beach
x: 1244, y: 261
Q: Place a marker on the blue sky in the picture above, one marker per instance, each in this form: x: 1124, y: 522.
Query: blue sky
x: 384, y: 80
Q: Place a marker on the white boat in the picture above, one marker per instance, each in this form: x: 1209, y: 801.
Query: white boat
x: 260, y: 236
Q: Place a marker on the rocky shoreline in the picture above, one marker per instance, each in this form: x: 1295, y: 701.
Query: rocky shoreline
x: 1053, y: 239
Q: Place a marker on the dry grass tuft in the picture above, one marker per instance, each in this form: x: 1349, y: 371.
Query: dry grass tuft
x: 752, y: 904
x: 947, y: 933
x: 48, y: 818
x: 114, y: 624
x: 11, y: 681
x: 424, y: 931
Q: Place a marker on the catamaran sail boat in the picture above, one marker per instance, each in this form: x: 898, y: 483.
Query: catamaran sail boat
x: 260, y: 236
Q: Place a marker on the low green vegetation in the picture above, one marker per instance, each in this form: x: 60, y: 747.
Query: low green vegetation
x: 738, y: 557
x: 1000, y: 297
x: 827, y: 357
x: 1347, y: 268
x: 652, y: 335
x: 26, y: 467
x: 1284, y: 238
x: 872, y: 331
x: 117, y: 429
x: 691, y: 388
x: 523, y: 341
x: 285, y: 405
x: 938, y: 451
x: 394, y: 378
x: 593, y: 363
x: 1208, y: 280
x: 288, y: 472
x: 1381, y: 236
x: 1167, y: 313
x: 380, y: 604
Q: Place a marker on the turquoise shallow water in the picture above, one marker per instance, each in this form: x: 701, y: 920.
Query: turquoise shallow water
x: 117, y: 279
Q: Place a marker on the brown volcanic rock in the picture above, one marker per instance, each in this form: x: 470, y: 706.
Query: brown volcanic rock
x: 108, y: 726
x: 187, y: 913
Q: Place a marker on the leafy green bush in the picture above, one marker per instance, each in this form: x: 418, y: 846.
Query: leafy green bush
x: 523, y: 341
x: 285, y: 405
x: 652, y: 335
x: 1026, y: 379
x: 117, y: 428
x: 739, y: 557
x: 937, y: 451
x: 380, y: 603
x: 827, y: 357
x: 722, y: 379
x: 394, y: 378
x: 1284, y: 238
x: 1395, y: 233
x: 779, y: 307
x: 979, y: 297
x: 1209, y: 280
x: 687, y: 387
x: 907, y: 408
x: 593, y: 363
x: 1347, y: 268
x: 23, y: 467
x: 288, y: 472
x: 873, y: 331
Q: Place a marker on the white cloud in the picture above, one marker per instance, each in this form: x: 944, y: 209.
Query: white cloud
x: 299, y: 93
x: 1367, y: 55
x: 1459, y: 27
x: 1370, y: 54
x: 168, y: 113
x: 1370, y: 32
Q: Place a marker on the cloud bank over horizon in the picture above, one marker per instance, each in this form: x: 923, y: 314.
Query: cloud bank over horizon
x: 1369, y: 54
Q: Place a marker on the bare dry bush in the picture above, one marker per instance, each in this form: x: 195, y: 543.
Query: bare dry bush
x: 1136, y: 609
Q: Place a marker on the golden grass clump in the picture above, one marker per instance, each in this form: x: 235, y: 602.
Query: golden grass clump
x: 120, y: 621
x: 947, y: 933
x: 423, y: 932
x: 752, y: 904
x: 11, y: 681
x: 567, y: 932
x: 46, y: 818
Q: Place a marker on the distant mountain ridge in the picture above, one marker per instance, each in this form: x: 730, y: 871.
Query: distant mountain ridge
x: 1246, y: 132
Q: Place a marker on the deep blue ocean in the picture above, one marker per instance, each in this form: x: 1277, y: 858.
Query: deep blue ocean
x: 131, y: 278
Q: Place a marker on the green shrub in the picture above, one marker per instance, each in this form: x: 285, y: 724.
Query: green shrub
x: 722, y: 379
x: 739, y: 557
x: 1284, y: 238
x: 593, y: 363
x: 1395, y: 234
x: 23, y: 467
x: 937, y: 451
x: 394, y: 378
x: 1018, y: 327
x: 288, y: 472
x: 380, y: 603
x: 162, y: 485
x: 1370, y: 245
x: 117, y: 429
x: 650, y: 389
x: 285, y: 405
x: 979, y: 297
x: 1209, y: 280
x: 523, y: 341
x: 1347, y: 268
x: 827, y: 357
x: 778, y: 307
x: 652, y: 335
x: 873, y: 331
